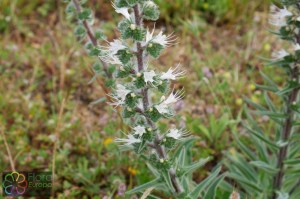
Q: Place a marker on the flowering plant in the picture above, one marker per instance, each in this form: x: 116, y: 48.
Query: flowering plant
x: 269, y: 168
x: 136, y: 85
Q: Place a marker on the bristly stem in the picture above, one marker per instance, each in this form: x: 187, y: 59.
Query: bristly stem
x: 286, y: 132
x: 156, y: 144
x: 91, y: 36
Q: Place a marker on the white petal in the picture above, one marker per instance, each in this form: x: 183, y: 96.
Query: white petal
x: 280, y: 54
x: 163, y: 40
x: 162, y: 108
x: 174, y: 97
x: 149, y: 36
x: 176, y: 134
x: 130, y: 140
x: 278, y: 16
x: 115, y: 46
x: 148, y: 76
x: 296, y: 47
x: 139, y: 130
x: 123, y: 11
x: 172, y: 74
x: 122, y: 92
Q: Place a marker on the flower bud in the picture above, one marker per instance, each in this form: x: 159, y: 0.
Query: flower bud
x: 132, y: 26
x: 138, y: 74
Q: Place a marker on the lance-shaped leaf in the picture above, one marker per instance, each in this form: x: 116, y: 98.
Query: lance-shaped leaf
x: 154, y: 183
x: 205, y: 184
x: 211, y: 192
x: 261, y: 137
x: 191, y: 168
x: 264, y: 166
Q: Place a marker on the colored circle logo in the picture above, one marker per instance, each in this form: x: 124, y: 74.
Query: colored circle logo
x: 14, y: 184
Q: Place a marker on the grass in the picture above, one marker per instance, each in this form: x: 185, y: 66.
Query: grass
x: 42, y: 64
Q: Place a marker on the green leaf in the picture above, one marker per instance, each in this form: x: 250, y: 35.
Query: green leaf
x: 163, y: 87
x: 245, y: 149
x: 150, y: 11
x: 211, y: 192
x: 154, y: 183
x: 266, y: 88
x: 99, y: 35
x: 121, y: 3
x: 154, y: 49
x: 80, y: 31
x: 252, y: 185
x: 264, y: 166
x: 85, y: 14
x: 70, y: 9
x: 168, y: 181
x: 191, y: 168
x: 124, y: 56
x: 204, y: 184
x: 255, y: 105
x: 267, y: 79
x: 292, y: 161
x: 261, y: 137
x: 269, y: 102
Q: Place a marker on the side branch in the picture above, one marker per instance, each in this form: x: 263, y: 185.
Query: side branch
x: 91, y: 36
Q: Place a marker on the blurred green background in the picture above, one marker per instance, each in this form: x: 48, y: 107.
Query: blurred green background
x: 42, y: 64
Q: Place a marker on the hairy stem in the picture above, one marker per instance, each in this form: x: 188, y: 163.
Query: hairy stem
x: 146, y: 104
x: 285, y: 135
x: 91, y: 36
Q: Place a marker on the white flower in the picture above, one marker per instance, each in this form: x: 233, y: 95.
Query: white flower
x: 162, y: 108
x: 110, y: 58
x: 172, y: 73
x: 139, y: 130
x: 296, y: 47
x: 117, y: 102
x: 115, y: 46
x: 119, y: 98
x: 298, y: 18
x: 148, y: 76
x: 163, y: 40
x: 123, y: 11
x: 122, y: 92
x: 174, y: 97
x: 149, y: 35
x: 129, y: 141
x: 278, y: 16
x: 280, y: 54
x: 176, y: 134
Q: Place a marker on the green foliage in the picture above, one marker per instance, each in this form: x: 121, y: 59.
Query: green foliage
x: 154, y: 49
x: 262, y: 171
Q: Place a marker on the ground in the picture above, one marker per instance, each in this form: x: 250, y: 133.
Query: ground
x: 45, y: 69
